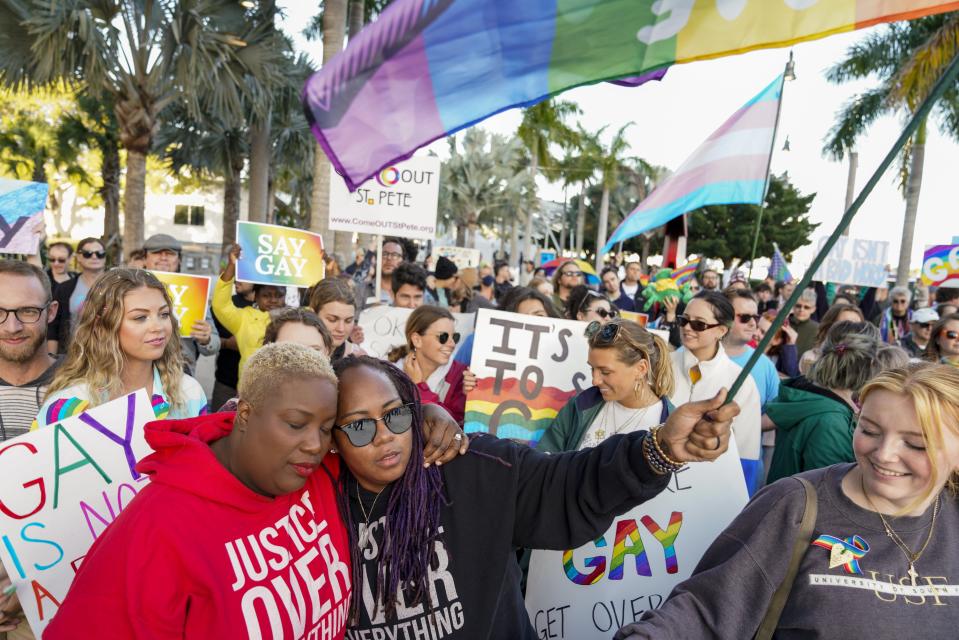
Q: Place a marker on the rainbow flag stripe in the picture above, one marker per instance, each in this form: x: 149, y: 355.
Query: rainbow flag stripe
x: 161, y: 408
x: 510, y: 414
x: 428, y: 68
x: 685, y: 273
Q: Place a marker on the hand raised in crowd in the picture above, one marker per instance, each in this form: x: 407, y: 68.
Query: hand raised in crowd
x: 444, y: 438
x: 412, y: 368
x: 11, y: 613
x: 790, y: 333
x: 201, y: 331
x: 671, y: 303
x: 699, y: 431
x: 230, y: 272
x: 469, y: 381
x: 356, y: 335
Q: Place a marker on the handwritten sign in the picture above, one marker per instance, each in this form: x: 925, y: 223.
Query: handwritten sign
x: 855, y: 261
x: 61, y: 486
x: 940, y: 266
x: 462, y: 257
x: 384, y: 328
x: 401, y: 200
x: 590, y: 592
x: 528, y: 367
x: 21, y: 210
x: 189, y: 294
x: 277, y: 255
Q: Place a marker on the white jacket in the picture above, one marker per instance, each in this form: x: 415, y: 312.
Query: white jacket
x: 718, y: 373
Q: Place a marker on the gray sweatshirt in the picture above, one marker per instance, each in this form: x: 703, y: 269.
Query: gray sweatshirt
x: 730, y: 589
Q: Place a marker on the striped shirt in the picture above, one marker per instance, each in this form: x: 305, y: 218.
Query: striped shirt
x: 20, y: 405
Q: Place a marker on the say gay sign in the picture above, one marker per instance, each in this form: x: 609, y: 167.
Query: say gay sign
x: 189, y: 295
x: 271, y: 254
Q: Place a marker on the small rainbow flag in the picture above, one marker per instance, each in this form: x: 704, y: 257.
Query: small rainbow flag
x: 510, y: 414
x: 161, y: 408
x: 685, y: 273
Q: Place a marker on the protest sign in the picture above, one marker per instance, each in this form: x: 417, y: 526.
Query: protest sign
x: 940, y: 266
x: 401, y: 200
x: 189, y: 294
x: 642, y: 319
x: 855, y: 261
x: 61, y: 486
x: 546, y: 256
x: 527, y: 368
x: 385, y: 328
x: 590, y: 592
x: 21, y: 210
x: 462, y: 257
x: 271, y: 254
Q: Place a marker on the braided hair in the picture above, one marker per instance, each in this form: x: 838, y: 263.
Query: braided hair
x: 412, y: 513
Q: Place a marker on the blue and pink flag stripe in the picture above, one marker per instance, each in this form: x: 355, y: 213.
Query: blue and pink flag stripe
x: 729, y: 167
x: 21, y: 209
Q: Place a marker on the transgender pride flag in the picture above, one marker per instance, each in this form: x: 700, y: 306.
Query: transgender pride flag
x: 730, y: 167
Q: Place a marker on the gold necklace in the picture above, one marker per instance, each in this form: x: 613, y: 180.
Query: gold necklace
x: 899, y: 542
x: 632, y: 420
x: 365, y: 536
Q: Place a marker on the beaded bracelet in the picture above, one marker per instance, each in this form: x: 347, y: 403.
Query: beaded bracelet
x: 657, y: 459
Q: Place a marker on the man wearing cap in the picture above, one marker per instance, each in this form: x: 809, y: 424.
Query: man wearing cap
x: 444, y: 279
x: 921, y: 331
x: 163, y: 254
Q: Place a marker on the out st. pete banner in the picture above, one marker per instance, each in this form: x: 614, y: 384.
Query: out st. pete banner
x: 425, y: 69
x: 21, y: 210
x: 940, y: 266
x: 855, y: 261
x: 527, y: 368
x: 271, y: 254
x: 590, y: 592
x: 189, y: 294
x: 61, y: 486
x: 385, y: 328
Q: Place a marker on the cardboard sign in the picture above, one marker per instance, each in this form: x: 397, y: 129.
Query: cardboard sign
x: 400, y: 201
x: 61, y: 486
x: 21, y: 210
x: 590, y: 592
x: 528, y: 367
x: 384, y: 328
x: 462, y: 257
x: 277, y: 255
x: 189, y: 294
x: 940, y: 266
x: 855, y: 261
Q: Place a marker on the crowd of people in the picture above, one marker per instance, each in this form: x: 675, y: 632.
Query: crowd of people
x: 347, y: 480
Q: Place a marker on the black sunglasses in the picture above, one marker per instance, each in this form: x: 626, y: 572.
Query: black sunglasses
x: 696, y: 325
x: 362, y: 432
x: 952, y: 335
x: 577, y: 274
x: 606, y: 333
x: 58, y: 260
x: 923, y: 325
x: 745, y: 318
x: 445, y: 336
x: 92, y: 254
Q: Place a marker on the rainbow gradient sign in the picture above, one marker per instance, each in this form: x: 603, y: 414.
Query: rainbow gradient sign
x: 272, y: 254
x: 189, y: 294
x: 940, y: 266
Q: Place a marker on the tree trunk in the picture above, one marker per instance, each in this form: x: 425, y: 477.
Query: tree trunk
x: 334, y: 24
x: 259, y: 204
x: 110, y: 192
x: 231, y: 207
x: 581, y: 220
x: 514, y: 239
x: 913, y: 186
x: 529, y: 248
x: 461, y: 235
x: 134, y: 199
x: 644, y: 256
x: 601, y: 228
x: 357, y: 17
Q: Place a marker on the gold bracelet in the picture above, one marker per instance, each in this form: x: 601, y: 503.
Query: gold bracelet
x: 654, y: 432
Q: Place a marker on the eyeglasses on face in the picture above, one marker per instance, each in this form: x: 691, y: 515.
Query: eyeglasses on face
x: 26, y: 315
x: 93, y: 254
x: 573, y: 274
x: 696, y: 325
x: 444, y: 337
x: 392, y: 255
x: 362, y: 432
x: 58, y: 260
x: 744, y: 318
x: 805, y: 307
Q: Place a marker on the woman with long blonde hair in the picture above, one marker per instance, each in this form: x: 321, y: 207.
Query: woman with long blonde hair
x: 125, y: 340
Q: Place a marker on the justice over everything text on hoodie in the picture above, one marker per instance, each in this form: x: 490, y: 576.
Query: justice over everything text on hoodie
x: 197, y: 554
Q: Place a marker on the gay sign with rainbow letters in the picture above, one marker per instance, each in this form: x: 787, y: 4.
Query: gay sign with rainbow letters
x: 940, y: 266
x: 271, y: 254
x: 189, y: 294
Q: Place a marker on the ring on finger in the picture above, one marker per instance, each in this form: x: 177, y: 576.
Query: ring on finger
x: 458, y: 436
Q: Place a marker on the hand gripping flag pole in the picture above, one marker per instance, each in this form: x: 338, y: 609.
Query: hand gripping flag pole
x: 947, y: 80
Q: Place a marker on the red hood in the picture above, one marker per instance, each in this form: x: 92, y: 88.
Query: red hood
x: 183, y: 459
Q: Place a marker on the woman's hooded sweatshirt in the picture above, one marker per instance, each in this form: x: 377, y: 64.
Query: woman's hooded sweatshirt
x: 197, y: 554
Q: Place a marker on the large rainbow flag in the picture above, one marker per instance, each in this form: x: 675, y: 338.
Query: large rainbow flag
x: 428, y: 68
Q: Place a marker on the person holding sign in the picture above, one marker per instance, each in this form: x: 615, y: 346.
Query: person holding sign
x: 125, y: 340
x: 247, y: 324
x: 884, y: 531
x: 632, y: 381
x: 427, y: 358
x: 412, y: 529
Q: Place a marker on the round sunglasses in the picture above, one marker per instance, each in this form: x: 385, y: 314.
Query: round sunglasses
x: 362, y: 432
x: 444, y: 337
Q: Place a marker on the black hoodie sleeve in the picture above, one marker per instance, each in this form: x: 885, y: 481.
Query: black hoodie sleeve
x: 565, y: 500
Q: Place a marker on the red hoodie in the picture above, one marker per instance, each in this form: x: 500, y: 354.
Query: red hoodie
x: 199, y: 555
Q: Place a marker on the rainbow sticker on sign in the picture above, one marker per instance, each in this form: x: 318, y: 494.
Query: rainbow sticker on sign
x: 189, y: 294
x: 511, y: 413
x: 271, y: 254
x: 940, y: 266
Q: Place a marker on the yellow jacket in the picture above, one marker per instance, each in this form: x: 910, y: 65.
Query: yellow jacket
x: 247, y: 324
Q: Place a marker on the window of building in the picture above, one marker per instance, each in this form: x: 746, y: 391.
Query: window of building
x: 188, y: 214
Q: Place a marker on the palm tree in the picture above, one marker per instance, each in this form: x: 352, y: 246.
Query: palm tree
x: 609, y: 164
x: 293, y: 149
x: 906, y: 58
x: 579, y: 168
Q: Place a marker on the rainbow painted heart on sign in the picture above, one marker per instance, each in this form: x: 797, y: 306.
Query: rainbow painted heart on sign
x: 511, y: 413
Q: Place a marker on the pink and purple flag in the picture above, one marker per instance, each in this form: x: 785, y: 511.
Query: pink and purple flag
x: 731, y: 166
x: 21, y: 209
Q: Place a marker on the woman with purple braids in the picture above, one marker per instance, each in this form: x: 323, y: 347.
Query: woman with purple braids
x: 432, y: 548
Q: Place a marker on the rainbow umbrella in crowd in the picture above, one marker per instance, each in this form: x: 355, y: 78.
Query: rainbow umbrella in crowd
x: 587, y: 269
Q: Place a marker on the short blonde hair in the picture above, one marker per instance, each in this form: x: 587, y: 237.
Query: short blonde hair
x: 275, y: 363
x: 934, y: 390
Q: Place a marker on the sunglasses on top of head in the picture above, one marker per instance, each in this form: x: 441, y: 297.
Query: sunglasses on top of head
x: 362, y: 432
x: 696, y: 325
x: 93, y: 254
